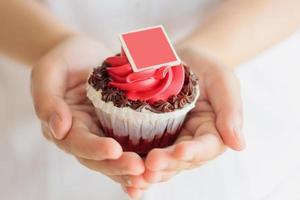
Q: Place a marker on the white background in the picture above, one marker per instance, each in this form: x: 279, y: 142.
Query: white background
x: 33, y: 169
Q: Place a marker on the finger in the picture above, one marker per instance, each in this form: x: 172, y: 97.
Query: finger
x: 186, y: 154
x: 199, y: 144
x: 128, y: 164
x: 46, y: 133
x: 135, y: 181
x: 82, y: 143
x: 134, y: 193
x: 86, y: 121
x: 201, y: 149
x: 159, y: 176
x: 122, y: 179
x: 224, y: 94
x: 195, y: 165
x: 117, y: 179
x: 77, y: 94
x: 162, y: 159
x: 48, y: 84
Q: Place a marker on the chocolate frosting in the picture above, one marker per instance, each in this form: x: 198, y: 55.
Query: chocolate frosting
x: 100, y: 79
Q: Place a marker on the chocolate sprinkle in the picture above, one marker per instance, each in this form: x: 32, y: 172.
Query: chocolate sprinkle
x: 100, y: 79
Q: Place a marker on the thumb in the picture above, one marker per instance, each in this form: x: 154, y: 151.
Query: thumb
x: 48, y: 85
x: 224, y: 94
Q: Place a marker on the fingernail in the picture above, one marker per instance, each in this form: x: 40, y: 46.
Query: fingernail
x: 240, y: 136
x: 124, y: 188
x: 127, y: 180
x: 54, y: 120
x: 137, y: 195
x: 126, y: 192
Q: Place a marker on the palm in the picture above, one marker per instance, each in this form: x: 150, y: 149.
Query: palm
x: 82, y: 110
x: 200, y: 121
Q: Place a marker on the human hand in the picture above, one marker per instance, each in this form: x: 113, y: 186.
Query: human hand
x: 68, y: 119
x: 215, y: 122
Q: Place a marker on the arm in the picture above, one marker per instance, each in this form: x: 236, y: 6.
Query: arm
x: 28, y: 30
x: 239, y: 29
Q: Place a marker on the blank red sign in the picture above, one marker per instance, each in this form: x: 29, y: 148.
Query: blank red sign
x: 149, y: 48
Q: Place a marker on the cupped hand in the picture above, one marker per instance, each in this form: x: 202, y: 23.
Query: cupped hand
x: 214, y: 124
x: 68, y: 118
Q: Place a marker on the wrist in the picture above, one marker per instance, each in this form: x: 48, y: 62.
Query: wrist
x: 192, y: 54
x: 51, y: 42
x: 206, y: 51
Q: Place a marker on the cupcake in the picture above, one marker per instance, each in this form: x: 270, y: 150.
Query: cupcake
x: 142, y: 109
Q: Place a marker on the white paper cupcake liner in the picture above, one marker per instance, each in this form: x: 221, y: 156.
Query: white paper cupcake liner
x: 138, y: 130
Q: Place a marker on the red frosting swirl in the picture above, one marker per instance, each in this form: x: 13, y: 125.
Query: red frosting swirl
x: 149, y: 85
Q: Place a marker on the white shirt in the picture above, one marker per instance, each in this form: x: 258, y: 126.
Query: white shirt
x: 33, y: 169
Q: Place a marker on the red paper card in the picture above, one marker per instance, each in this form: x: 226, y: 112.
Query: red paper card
x: 149, y: 48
